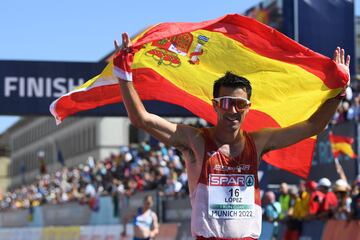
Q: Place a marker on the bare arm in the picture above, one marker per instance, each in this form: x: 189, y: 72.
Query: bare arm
x: 155, y: 230
x: 340, y: 170
x: 176, y: 135
x: 271, y: 139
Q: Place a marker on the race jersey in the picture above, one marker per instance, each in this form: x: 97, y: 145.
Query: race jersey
x: 226, y: 201
x: 144, y: 220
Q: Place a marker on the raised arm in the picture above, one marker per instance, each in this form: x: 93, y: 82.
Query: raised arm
x: 340, y: 170
x: 176, y: 135
x: 270, y: 139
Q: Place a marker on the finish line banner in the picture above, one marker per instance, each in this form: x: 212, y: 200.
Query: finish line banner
x: 29, y: 87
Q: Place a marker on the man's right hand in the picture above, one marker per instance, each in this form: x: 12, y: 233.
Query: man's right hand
x: 123, y: 58
x: 126, y: 43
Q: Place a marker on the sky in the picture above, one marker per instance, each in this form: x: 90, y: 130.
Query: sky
x: 84, y: 30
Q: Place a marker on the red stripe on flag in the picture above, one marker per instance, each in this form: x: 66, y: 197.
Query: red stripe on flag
x: 79, y: 101
x: 296, y: 158
x: 338, y: 139
x: 285, y: 158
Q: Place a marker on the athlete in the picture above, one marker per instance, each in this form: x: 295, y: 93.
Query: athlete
x: 145, y: 221
x: 222, y: 161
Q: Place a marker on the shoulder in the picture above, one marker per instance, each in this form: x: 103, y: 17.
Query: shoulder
x: 153, y: 215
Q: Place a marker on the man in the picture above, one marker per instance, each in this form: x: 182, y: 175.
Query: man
x: 284, y: 200
x: 222, y: 161
x: 315, y: 199
x: 355, y: 202
x: 145, y: 221
x: 272, y: 211
x: 294, y: 216
x: 330, y: 200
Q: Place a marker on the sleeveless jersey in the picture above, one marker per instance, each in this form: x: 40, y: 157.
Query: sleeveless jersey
x: 143, y: 220
x: 226, y: 201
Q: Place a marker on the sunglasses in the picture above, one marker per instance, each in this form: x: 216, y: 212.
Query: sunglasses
x: 227, y: 102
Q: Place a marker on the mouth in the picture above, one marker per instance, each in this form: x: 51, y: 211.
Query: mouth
x: 233, y: 118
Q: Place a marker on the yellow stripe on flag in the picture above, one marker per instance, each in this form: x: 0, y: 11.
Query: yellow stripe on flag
x: 343, y: 147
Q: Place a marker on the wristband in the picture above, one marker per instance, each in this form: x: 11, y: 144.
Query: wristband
x: 122, y: 64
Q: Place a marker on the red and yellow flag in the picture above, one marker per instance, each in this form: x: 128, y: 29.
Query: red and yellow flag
x: 341, y: 144
x: 179, y: 62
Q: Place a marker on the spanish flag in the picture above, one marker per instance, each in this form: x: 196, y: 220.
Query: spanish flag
x: 179, y: 62
x: 341, y: 144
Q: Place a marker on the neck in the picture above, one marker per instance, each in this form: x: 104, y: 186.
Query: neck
x: 224, y: 137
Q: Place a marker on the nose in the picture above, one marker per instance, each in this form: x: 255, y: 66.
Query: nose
x: 232, y: 109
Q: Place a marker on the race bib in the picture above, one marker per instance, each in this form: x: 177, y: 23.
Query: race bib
x: 231, y: 196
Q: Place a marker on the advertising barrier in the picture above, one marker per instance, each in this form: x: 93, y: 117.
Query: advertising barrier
x: 68, y: 214
x: 101, y: 232
x: 176, y: 224
x: 14, y: 218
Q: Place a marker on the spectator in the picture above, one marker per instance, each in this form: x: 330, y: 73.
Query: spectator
x: 315, y: 199
x: 329, y: 202
x: 272, y: 212
x: 284, y: 200
x: 294, y: 216
x: 355, y: 204
x: 356, y: 108
x: 173, y: 186
x: 343, y: 209
x: 304, y: 196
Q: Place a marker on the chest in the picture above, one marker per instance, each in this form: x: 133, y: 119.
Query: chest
x: 232, y: 151
x: 144, y: 218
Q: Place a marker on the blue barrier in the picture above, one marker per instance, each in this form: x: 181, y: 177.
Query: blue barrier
x: 105, y: 215
x: 74, y: 214
x: 37, y: 218
x: 266, y: 231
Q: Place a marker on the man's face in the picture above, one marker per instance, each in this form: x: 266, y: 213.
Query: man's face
x: 284, y: 188
x: 232, y: 118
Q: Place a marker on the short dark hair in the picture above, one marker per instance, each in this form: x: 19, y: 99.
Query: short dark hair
x: 233, y: 81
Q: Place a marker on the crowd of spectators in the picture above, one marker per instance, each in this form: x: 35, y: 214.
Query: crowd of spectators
x: 141, y: 167
x: 311, y: 200
x: 349, y: 109
x: 138, y: 167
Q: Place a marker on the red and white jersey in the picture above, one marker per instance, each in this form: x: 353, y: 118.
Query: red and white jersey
x: 226, y: 201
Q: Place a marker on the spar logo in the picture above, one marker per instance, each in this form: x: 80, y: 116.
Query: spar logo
x: 167, y: 50
x: 228, y: 180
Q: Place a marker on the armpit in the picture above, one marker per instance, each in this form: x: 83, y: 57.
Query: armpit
x: 188, y: 153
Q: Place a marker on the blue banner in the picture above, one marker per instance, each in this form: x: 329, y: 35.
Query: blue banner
x: 326, y: 24
x: 29, y: 87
